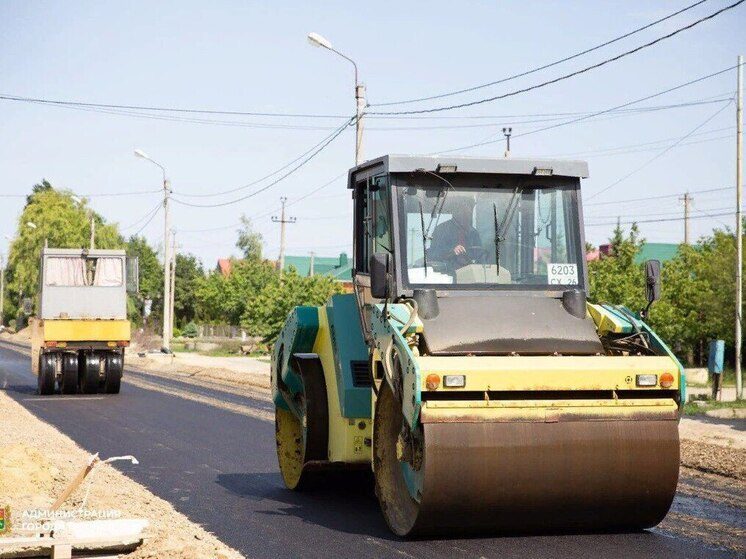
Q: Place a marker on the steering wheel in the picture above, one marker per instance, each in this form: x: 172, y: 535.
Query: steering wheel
x: 474, y: 254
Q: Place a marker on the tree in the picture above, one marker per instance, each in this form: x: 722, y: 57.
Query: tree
x: 151, y: 278
x: 249, y: 241
x: 266, y: 313
x: 188, y: 273
x: 224, y: 299
x: 61, y: 222
x: 617, y: 279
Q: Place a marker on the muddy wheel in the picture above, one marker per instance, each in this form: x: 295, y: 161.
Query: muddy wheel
x: 47, y: 369
x: 302, y: 442
x: 113, y: 375
x: 89, y: 373
x: 392, y: 487
x: 69, y: 379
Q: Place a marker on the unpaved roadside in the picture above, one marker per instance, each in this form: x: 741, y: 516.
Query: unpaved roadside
x: 37, y: 462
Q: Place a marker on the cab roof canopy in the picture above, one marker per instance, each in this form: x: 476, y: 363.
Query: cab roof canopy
x: 462, y: 164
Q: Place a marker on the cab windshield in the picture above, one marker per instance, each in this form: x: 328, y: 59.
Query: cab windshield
x: 489, y: 231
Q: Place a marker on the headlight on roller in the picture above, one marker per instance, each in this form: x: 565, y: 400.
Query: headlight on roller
x: 647, y: 380
x: 454, y: 381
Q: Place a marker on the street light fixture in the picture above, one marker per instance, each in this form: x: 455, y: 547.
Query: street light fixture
x: 31, y: 224
x: 167, y: 311
x: 319, y: 41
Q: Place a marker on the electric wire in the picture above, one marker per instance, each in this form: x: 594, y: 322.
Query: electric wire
x: 591, y: 115
x: 568, y: 75
x: 658, y: 220
x: 276, y: 181
x: 719, y: 189
x: 544, y: 67
x: 661, y: 153
x: 273, y: 173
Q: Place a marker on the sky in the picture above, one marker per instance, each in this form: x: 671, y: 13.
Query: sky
x: 254, y: 57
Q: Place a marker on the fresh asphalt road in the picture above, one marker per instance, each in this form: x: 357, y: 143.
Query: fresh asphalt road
x: 217, y: 466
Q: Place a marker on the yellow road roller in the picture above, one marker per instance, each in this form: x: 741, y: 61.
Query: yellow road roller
x: 468, y: 370
x: 81, y: 330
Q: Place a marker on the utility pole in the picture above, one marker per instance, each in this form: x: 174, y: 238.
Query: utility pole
x: 507, y: 132
x: 313, y: 254
x: 360, y: 105
x: 687, y: 199
x: 167, y: 317
x: 166, y: 269
x: 739, y: 232
x: 171, y: 310
x: 282, y: 221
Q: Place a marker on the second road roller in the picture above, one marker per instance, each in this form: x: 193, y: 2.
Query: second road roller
x: 466, y: 366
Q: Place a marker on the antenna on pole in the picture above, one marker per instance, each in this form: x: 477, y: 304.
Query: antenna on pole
x: 282, y: 221
x: 507, y: 132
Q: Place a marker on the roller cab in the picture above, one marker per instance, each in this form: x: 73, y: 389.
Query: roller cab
x: 469, y: 371
x: 80, y: 334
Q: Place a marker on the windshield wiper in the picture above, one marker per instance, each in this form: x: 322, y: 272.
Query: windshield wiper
x: 424, y: 238
x: 435, y: 214
x: 501, y: 231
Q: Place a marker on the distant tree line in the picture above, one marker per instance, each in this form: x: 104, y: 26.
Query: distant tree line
x: 253, y: 296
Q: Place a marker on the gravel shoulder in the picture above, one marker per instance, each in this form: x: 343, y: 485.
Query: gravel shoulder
x: 37, y: 462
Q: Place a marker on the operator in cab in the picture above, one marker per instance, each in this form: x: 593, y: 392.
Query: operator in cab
x: 456, y: 242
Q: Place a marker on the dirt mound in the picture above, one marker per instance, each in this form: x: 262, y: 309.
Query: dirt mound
x: 27, y: 475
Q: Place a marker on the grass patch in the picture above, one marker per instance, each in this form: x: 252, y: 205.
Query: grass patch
x: 694, y: 408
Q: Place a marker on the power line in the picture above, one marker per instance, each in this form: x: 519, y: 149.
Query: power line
x: 539, y: 68
x: 276, y: 181
x: 656, y: 214
x: 662, y: 153
x: 656, y: 220
x: 565, y: 76
x: 100, y: 195
x: 148, y: 216
x: 657, y: 197
x: 592, y: 115
x: 643, y: 144
x: 8, y: 97
x: 257, y: 181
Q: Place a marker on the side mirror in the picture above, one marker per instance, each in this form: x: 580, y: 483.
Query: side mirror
x: 133, y: 275
x: 653, y: 280
x: 379, y: 274
x: 652, y: 284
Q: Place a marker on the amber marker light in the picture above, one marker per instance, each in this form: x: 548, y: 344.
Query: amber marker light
x: 432, y: 382
x: 666, y: 380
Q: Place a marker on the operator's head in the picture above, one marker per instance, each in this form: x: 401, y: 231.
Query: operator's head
x: 462, y: 208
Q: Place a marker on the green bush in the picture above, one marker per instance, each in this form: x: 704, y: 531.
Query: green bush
x: 190, y: 330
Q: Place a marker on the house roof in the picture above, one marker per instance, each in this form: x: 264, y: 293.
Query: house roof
x: 657, y: 251
x: 339, y: 267
x: 224, y: 266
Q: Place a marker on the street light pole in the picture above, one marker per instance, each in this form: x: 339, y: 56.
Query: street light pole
x: 318, y: 41
x: 167, y: 318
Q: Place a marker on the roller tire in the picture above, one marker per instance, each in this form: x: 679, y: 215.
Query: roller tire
x: 113, y: 375
x: 69, y: 378
x: 47, y: 366
x: 302, y: 451
x: 89, y: 374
